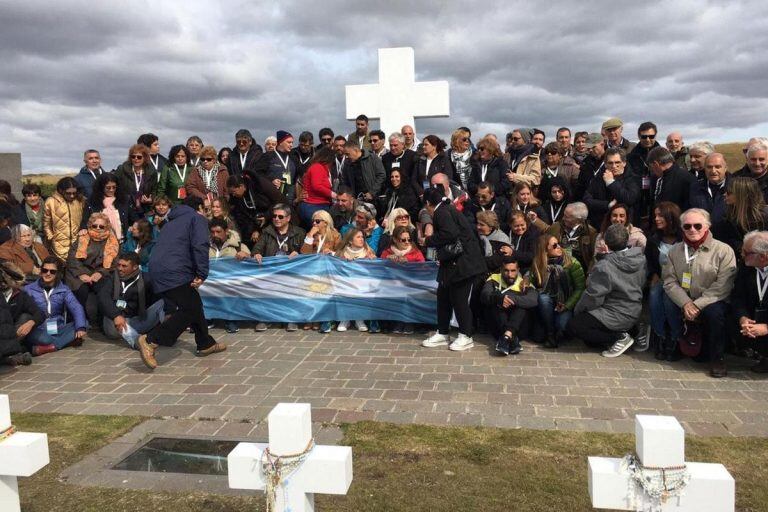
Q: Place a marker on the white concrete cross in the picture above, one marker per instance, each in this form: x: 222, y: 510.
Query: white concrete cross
x: 397, y: 99
x: 660, y: 442
x: 21, y: 454
x: 326, y: 470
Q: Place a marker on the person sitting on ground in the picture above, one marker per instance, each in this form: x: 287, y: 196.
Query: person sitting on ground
x: 698, y: 279
x: 322, y: 238
x: 19, y: 315
x: 226, y: 244
x: 92, y: 257
x: 141, y: 240
x: 398, y: 217
x: 748, y: 298
x: 354, y: 247
x: 523, y: 237
x: 24, y: 252
x: 220, y: 210
x: 55, y: 300
x: 365, y: 221
x: 509, y: 296
x: 403, y: 249
x: 107, y: 197
x: 619, y: 214
x: 613, y: 300
x: 31, y: 211
x: 559, y: 279
x: 575, y: 235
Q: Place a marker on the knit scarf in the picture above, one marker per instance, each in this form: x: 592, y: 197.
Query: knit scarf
x: 556, y: 284
x: 399, y: 252
x: 354, y: 254
x: 695, y: 245
x: 111, y: 248
x: 213, y: 186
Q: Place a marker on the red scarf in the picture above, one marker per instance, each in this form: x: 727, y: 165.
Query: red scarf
x: 695, y: 245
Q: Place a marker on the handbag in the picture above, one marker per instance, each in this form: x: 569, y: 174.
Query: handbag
x: 450, y: 252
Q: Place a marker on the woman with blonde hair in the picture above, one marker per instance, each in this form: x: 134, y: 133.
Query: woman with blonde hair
x: 209, y: 179
x: 460, y: 156
x: 62, y: 217
x: 396, y: 218
x: 488, y: 166
x: 322, y: 238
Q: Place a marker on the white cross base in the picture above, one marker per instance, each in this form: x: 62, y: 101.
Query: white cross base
x: 21, y: 454
x: 326, y: 470
x: 397, y: 99
x: 660, y: 442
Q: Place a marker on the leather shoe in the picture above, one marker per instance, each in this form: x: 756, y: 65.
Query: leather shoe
x: 147, y: 352
x: 216, y: 347
x: 23, y: 359
x: 761, y: 367
x: 39, y: 350
x: 718, y: 370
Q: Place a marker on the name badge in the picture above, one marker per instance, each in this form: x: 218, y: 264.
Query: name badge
x: 395, y: 165
x: 121, y: 304
x: 52, y: 326
x: 646, y: 182
x: 686, y: 282
x: 181, y: 193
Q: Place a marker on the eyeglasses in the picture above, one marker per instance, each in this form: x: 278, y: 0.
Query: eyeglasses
x: 137, y: 157
x: 375, y: 141
x: 402, y: 217
x: 465, y: 139
x: 317, y: 221
x: 405, y: 240
x: 48, y: 270
x: 280, y: 217
x: 206, y: 159
x: 326, y: 140
x: 98, y: 226
x: 646, y: 137
x: 695, y: 227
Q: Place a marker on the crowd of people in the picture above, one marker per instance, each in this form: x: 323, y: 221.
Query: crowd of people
x: 591, y: 237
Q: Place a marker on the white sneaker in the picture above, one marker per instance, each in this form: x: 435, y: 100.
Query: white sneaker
x: 620, y: 346
x: 343, y: 326
x: 360, y: 324
x: 291, y: 327
x: 260, y: 327
x: 462, y: 342
x: 436, y: 340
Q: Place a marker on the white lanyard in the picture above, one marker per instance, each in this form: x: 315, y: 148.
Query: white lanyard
x: 242, y: 160
x: 155, y: 162
x: 92, y: 173
x: 138, y: 249
x: 251, y: 206
x: 195, y: 161
x: 553, y: 173
x: 208, y: 178
x: 599, y: 168
x: 283, y: 163
x: 49, y: 292
x: 517, y: 244
x: 281, y: 245
x: 761, y: 288
x: 126, y: 286
x: 483, y: 171
x: 320, y: 244
x: 362, y: 141
x: 688, y: 258
x: 340, y: 164
x: 218, y: 251
x: 552, y: 211
x: 571, y: 234
x: 183, y: 176
x: 305, y: 160
x: 138, y: 178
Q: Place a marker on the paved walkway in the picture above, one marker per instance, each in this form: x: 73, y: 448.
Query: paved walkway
x: 354, y: 376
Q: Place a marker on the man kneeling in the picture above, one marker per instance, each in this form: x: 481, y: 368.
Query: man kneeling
x: 613, y: 300
x: 128, y: 304
x: 510, y: 296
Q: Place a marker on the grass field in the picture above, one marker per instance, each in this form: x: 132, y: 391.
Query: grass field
x: 399, y: 468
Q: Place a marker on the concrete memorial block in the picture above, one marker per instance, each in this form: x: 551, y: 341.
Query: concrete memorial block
x: 397, y: 99
x: 304, y: 468
x: 10, y: 171
x: 660, y: 447
x: 21, y: 454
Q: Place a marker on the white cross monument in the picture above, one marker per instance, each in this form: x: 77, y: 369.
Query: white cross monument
x: 325, y: 470
x: 660, y: 443
x: 21, y: 454
x: 398, y: 98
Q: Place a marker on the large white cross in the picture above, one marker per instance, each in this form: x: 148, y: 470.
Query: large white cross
x: 326, y: 470
x: 397, y: 99
x: 660, y: 442
x: 21, y: 454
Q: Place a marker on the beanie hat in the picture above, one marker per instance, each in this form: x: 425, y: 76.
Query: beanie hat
x: 282, y: 135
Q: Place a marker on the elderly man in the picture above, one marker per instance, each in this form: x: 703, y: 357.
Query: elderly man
x: 247, y: 154
x: 364, y: 172
x: 749, y: 297
x: 670, y: 182
x: 576, y: 236
x: 709, y: 194
x: 360, y: 136
x: 365, y: 221
x: 411, y: 141
x: 399, y: 158
x: 616, y: 184
x: 696, y: 155
x: 678, y: 150
x: 757, y: 165
x: 452, y: 191
x: 698, y: 278
x: 89, y: 172
x: 613, y: 130
x: 613, y: 300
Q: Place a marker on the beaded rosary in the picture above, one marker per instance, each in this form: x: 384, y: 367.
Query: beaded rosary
x: 277, y: 467
x: 659, y: 483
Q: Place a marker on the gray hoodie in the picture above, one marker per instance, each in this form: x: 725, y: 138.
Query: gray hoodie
x: 614, y: 293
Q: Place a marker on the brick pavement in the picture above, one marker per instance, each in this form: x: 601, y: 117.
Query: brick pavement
x: 355, y: 376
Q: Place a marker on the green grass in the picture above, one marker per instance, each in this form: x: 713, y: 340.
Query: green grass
x: 399, y: 468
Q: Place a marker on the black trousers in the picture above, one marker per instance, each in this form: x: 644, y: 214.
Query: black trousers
x: 188, y: 313
x: 501, y: 320
x: 591, y: 331
x: 455, y: 298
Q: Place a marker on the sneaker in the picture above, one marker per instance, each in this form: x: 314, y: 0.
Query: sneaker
x: 503, y: 345
x: 374, y: 327
x: 620, y: 346
x: 462, y: 342
x: 216, y: 347
x: 325, y: 327
x: 147, y: 352
x: 211, y: 324
x: 291, y: 327
x: 343, y: 326
x: 397, y: 329
x: 231, y: 327
x: 23, y: 359
x: 516, y: 347
x: 361, y: 326
x: 260, y: 327
x: 436, y: 340
x: 408, y: 329
x: 643, y: 340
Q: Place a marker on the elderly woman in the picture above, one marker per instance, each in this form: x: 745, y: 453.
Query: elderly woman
x: 494, y: 241
x: 141, y: 240
x: 32, y: 212
x: 522, y: 238
x: 23, y: 251
x: 270, y: 144
x: 194, y: 146
x: 460, y: 156
x: 488, y: 166
x: 62, y: 217
x: 698, y: 279
x: 398, y: 217
x: 209, y: 179
x: 55, y: 300
x: 698, y: 152
x: 107, y: 197
x: 138, y: 178
x: 175, y: 175
x: 90, y: 260
x: 618, y: 214
x: 322, y: 238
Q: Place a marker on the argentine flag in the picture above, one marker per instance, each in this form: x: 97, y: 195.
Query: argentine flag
x: 317, y: 288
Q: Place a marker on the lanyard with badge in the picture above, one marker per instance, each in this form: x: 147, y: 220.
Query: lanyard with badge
x: 182, y: 192
x: 155, y: 162
x: 555, y: 214
x: 281, y: 245
x: 284, y: 164
x: 687, y: 276
x: 51, y: 324
x: 121, y: 303
x: 396, y: 161
x: 761, y: 313
x: 320, y: 243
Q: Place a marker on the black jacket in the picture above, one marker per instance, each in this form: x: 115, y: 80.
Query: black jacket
x: 449, y: 226
x: 9, y: 345
x: 441, y: 164
x: 496, y: 174
x: 406, y: 162
x: 235, y: 166
x: 500, y: 206
x: 401, y: 197
x: 113, y: 291
x: 524, y: 246
x: 591, y: 168
x: 624, y: 189
x: 675, y: 187
x: 744, y: 297
x: 700, y: 197
x: 652, y: 254
x: 762, y: 181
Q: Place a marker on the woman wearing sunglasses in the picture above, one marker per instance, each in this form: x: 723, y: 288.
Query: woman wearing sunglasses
x: 92, y: 257
x: 209, y: 179
x: 138, y: 179
x: 107, y: 197
x: 59, y: 305
x: 402, y: 250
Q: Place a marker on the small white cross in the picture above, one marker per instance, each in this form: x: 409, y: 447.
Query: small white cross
x: 397, y: 99
x: 326, y: 469
x: 21, y: 454
x: 660, y: 442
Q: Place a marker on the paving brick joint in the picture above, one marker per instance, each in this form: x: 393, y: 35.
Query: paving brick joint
x: 354, y: 376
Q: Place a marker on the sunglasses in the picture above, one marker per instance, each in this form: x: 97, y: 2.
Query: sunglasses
x: 402, y: 217
x: 405, y: 240
x: 280, y: 217
x: 555, y: 245
x: 206, y: 159
x: 317, y: 221
x: 646, y: 137
x: 98, y: 226
x: 465, y: 139
x: 48, y: 271
x: 137, y: 157
x: 696, y: 227
x: 243, y: 141
x: 326, y: 140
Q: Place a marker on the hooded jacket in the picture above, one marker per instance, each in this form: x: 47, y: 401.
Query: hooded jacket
x: 181, y: 251
x: 614, y: 293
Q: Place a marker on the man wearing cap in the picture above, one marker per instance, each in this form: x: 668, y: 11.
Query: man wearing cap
x: 364, y: 172
x: 247, y: 153
x: 613, y: 129
x: 278, y: 166
x: 360, y: 135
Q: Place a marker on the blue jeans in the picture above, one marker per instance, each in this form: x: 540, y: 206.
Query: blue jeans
x: 674, y: 317
x: 663, y: 312
x: 40, y: 336
x: 138, y: 325
x: 554, y: 322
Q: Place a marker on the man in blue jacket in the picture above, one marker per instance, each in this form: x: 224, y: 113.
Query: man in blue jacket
x: 178, y: 266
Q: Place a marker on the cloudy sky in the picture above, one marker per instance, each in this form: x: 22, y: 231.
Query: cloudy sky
x: 80, y: 74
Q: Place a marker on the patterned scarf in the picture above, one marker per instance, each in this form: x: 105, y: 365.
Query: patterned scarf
x: 111, y: 248
x: 462, y: 165
x: 35, y: 218
x: 213, y: 186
